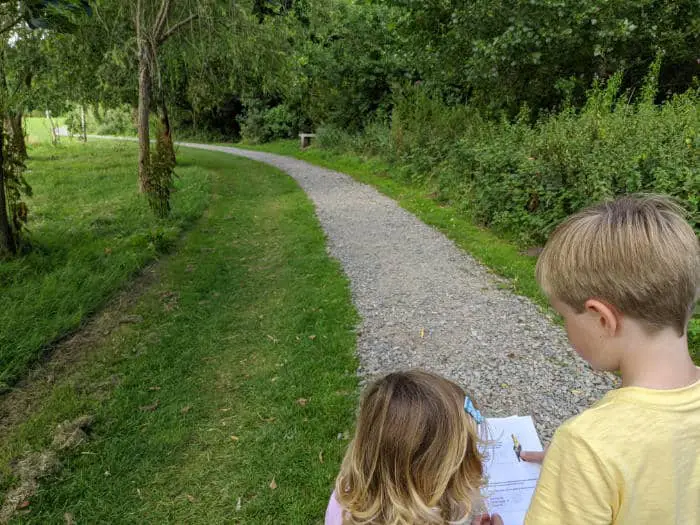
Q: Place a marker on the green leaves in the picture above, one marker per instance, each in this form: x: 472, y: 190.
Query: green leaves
x: 55, y: 15
x: 489, y: 49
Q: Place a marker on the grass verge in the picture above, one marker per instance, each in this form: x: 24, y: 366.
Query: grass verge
x: 501, y: 256
x: 89, y: 232
x: 223, y: 402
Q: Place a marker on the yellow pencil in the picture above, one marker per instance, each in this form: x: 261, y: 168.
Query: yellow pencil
x: 517, y: 447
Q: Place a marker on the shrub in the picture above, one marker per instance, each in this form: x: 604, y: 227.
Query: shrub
x: 262, y: 124
x: 522, y: 179
x: 74, y: 122
x: 375, y: 140
x: 335, y: 139
x: 116, y: 121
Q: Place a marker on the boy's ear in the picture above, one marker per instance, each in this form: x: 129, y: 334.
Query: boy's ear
x: 609, y: 318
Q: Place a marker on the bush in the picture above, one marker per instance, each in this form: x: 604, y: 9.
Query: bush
x: 375, y: 140
x: 116, y: 121
x: 335, y: 139
x: 261, y: 124
x: 74, y: 122
x: 522, y: 179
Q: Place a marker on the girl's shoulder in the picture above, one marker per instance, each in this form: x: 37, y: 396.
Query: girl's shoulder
x: 334, y: 512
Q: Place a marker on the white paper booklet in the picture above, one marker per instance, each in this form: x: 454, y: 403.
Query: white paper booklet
x: 510, y: 482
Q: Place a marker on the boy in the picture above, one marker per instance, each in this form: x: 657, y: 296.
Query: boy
x: 625, y: 276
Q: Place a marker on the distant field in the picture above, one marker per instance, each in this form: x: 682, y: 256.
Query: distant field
x: 39, y: 130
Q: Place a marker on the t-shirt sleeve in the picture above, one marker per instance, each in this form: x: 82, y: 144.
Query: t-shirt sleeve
x: 574, y: 486
x: 334, y: 512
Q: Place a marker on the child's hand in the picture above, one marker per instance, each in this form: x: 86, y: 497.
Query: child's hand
x: 485, y: 519
x: 533, y: 457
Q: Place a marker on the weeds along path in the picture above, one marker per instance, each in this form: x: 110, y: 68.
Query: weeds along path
x: 425, y: 303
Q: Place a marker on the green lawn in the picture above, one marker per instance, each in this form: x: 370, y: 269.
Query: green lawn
x: 39, y: 130
x: 498, y: 254
x: 89, y: 232
x: 240, y: 369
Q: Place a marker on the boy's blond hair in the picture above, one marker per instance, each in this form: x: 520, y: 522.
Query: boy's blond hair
x: 414, y: 457
x: 636, y: 253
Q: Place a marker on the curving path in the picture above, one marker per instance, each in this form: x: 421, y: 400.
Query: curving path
x: 425, y: 303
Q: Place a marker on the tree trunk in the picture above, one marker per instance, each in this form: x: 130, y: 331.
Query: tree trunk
x: 83, y: 125
x: 167, y: 133
x: 143, y: 115
x: 18, y: 134
x: 7, y: 239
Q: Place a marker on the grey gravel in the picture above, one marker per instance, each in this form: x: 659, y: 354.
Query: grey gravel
x: 407, y: 279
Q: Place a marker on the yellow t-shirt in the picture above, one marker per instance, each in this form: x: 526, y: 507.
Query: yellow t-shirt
x: 633, y: 458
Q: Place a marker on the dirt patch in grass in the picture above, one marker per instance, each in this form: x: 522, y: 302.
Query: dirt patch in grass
x: 36, y: 465
x: 59, y: 361
x: 65, y: 355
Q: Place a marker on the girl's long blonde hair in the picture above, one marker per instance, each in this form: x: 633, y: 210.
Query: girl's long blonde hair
x: 414, y: 458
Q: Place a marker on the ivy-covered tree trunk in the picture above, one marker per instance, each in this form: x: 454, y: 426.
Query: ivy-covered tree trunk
x: 166, y: 131
x: 151, y: 33
x: 8, y: 246
x: 17, y: 131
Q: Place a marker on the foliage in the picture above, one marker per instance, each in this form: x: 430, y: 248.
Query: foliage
x: 347, y: 65
x: 116, y: 121
x: 73, y: 121
x: 58, y: 15
x: 205, y: 79
x: 523, y: 179
x: 501, y: 54
x: 260, y: 124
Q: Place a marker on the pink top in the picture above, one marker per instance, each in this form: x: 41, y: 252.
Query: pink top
x: 334, y: 512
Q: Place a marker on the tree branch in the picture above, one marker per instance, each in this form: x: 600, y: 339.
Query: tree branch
x: 161, y: 19
x: 137, y: 22
x: 170, y: 32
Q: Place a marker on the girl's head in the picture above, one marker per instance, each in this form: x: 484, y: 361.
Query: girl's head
x: 414, y: 458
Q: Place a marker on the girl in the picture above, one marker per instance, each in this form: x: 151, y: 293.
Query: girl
x: 415, y: 456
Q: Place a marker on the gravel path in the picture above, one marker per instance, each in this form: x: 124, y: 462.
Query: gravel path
x: 408, y: 279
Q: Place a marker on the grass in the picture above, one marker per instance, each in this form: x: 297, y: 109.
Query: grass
x: 241, y: 372
x: 501, y: 256
x: 38, y: 129
x: 89, y: 232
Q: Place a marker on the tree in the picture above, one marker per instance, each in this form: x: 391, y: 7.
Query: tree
x: 10, y: 163
x: 23, y: 62
x: 16, y: 19
x: 153, y: 29
x: 138, y: 33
